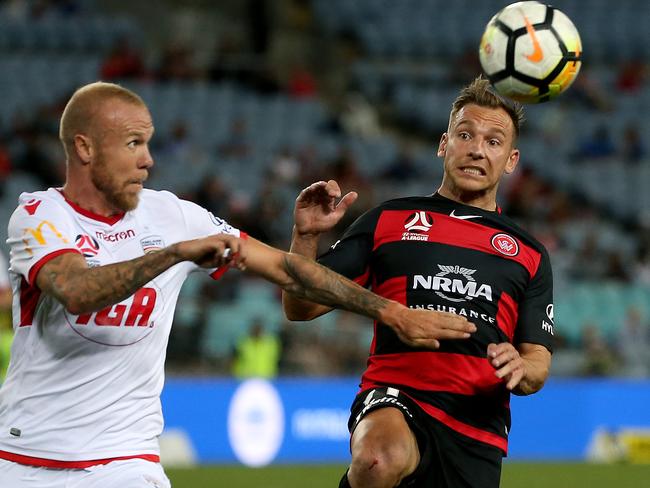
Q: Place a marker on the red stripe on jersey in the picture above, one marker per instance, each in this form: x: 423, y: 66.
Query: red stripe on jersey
x: 53, y: 463
x: 363, y: 279
x: 433, y: 371
x: 507, y: 314
x: 29, y: 295
x: 393, y: 289
x: 219, y: 272
x: 453, y: 232
x: 33, y: 271
x: 465, y: 429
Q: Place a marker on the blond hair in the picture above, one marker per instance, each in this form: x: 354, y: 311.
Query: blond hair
x: 480, y: 92
x: 80, y: 113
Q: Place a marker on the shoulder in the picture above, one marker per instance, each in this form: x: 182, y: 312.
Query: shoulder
x: 39, y: 205
x: 522, y: 234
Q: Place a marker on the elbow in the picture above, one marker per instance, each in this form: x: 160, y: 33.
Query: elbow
x: 296, y: 312
x: 74, y: 307
x: 73, y: 303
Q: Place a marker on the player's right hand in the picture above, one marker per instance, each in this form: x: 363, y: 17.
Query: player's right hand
x: 214, y: 251
x: 317, y: 210
x: 426, y: 328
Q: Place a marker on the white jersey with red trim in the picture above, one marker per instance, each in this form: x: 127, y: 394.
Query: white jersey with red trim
x: 86, y: 387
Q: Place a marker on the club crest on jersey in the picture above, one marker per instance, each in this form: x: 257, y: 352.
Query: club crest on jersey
x: 417, y: 226
x: 505, y: 244
x: 453, y: 280
x: 152, y: 243
x: 88, y: 246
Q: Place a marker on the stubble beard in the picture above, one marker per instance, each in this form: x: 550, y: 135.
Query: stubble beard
x: 107, y: 183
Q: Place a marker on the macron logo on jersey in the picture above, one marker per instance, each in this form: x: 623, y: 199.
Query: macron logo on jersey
x: 117, y: 236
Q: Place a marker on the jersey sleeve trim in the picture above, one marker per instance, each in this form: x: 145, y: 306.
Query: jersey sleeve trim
x: 33, y: 271
x: 219, y: 272
x: 53, y: 463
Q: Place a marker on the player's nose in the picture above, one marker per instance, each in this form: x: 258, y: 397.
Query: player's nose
x: 147, y: 159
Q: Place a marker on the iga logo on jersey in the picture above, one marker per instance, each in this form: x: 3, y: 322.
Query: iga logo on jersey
x: 417, y: 224
x: 453, y: 280
x: 88, y: 246
x: 122, y: 324
x: 505, y: 244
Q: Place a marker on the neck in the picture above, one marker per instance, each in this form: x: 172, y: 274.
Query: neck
x: 85, y: 195
x: 485, y: 200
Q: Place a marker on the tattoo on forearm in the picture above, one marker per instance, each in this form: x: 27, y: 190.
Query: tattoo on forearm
x: 319, y: 284
x: 93, y: 289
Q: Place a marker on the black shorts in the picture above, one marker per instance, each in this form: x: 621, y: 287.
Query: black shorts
x: 448, y: 459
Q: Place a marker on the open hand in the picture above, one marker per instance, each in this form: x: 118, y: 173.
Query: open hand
x: 425, y: 328
x: 316, y: 209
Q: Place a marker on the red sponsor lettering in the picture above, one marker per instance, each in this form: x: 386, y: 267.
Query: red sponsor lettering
x: 143, y: 303
x: 139, y: 311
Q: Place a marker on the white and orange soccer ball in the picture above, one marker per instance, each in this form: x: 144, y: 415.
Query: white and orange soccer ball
x: 530, y: 52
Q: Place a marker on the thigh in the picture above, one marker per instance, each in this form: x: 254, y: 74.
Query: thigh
x: 131, y: 473
x: 383, y: 424
x: 16, y: 475
x: 456, y: 461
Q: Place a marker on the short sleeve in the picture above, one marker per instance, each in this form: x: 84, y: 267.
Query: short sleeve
x: 350, y: 256
x: 39, y: 230
x: 202, y: 223
x: 535, y: 324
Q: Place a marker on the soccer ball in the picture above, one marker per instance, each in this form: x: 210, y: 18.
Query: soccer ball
x: 530, y: 52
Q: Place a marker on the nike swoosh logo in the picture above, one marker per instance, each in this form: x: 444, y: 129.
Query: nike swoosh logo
x: 537, y: 55
x: 463, y: 217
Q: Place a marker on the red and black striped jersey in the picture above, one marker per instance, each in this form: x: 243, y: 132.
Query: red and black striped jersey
x: 437, y: 254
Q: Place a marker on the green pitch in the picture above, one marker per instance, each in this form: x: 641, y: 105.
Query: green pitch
x: 515, y: 475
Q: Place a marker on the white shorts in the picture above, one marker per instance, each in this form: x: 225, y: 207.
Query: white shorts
x: 130, y: 473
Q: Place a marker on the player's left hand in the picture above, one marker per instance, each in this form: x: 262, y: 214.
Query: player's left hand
x: 320, y: 206
x: 508, y: 363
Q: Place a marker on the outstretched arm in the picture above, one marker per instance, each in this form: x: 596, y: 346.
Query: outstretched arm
x: 304, y: 278
x: 82, y: 289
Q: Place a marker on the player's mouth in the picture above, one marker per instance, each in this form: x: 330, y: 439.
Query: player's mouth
x: 473, y: 170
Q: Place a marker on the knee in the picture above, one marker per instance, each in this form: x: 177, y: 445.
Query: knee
x: 382, y: 464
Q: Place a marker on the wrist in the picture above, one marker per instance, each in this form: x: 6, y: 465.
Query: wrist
x: 174, y: 252
x: 305, y: 236
x: 390, y: 313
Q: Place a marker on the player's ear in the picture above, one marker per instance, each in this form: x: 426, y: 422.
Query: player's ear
x: 83, y: 147
x: 512, y: 162
x: 442, y: 145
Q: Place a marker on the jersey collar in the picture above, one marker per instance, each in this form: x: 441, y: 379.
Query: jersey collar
x: 111, y: 220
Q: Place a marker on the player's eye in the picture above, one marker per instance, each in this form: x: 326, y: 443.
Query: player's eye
x: 495, y: 142
x: 132, y: 144
x: 464, y: 135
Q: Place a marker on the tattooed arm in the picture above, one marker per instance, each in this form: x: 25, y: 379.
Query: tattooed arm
x: 309, y: 280
x: 82, y: 289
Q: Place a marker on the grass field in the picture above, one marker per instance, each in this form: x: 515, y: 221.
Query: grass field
x: 515, y: 475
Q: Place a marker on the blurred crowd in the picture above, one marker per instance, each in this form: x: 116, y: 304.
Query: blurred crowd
x: 569, y: 224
